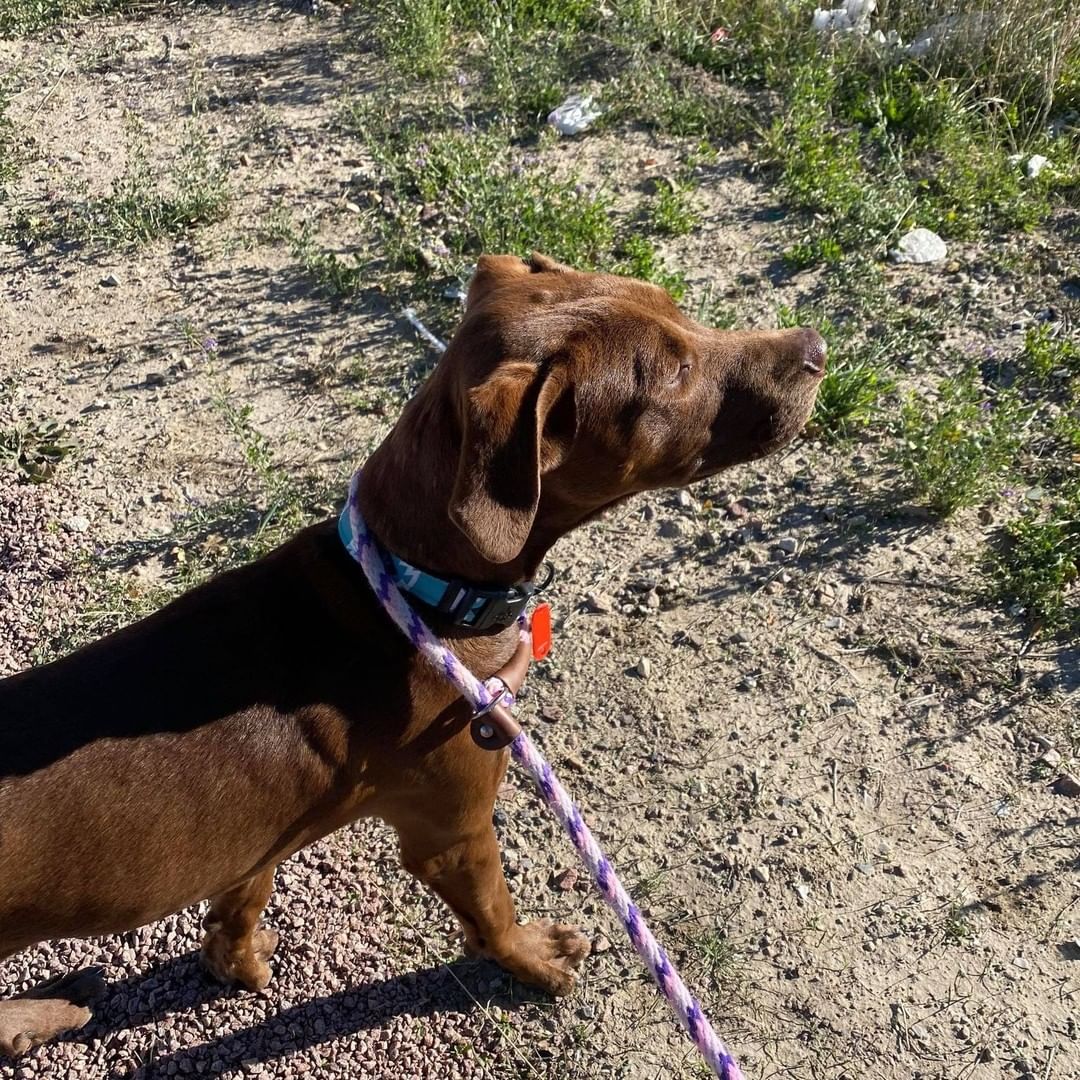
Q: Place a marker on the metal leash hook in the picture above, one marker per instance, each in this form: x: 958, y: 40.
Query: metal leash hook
x: 495, y: 726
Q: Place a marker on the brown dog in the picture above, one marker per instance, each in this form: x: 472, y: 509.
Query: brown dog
x: 185, y: 756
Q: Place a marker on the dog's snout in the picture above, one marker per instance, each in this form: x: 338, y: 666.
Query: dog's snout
x: 811, y: 350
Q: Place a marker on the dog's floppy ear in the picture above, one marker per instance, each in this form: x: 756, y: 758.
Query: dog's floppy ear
x: 540, y: 264
x: 517, y: 425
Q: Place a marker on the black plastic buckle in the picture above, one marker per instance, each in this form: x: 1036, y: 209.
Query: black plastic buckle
x: 497, y: 607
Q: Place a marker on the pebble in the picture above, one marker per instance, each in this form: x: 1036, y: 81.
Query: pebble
x: 671, y: 528
x: 919, y: 246
x: 643, y: 667
x: 1067, y: 784
x: 761, y: 874
x: 76, y: 523
x: 788, y: 545
x: 1049, y: 758
x: 865, y: 868
x: 599, y: 603
x: 110, y: 281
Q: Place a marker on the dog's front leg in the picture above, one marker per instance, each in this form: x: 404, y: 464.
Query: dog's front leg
x: 453, y: 850
x: 236, y: 948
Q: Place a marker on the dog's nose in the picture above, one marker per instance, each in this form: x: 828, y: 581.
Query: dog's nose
x: 811, y: 350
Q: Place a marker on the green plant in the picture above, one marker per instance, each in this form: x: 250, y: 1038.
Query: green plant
x: 140, y: 208
x: 7, y: 147
x: 848, y: 396
x: 36, y: 449
x: 1047, y: 351
x: 1038, y: 564
x: 489, y: 196
x: 956, y: 448
x: 638, y: 258
x: 673, y: 211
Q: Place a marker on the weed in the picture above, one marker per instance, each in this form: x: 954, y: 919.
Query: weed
x: 456, y: 193
x: 638, y: 258
x: 848, y: 396
x: 139, y: 209
x: 719, y: 957
x: 954, y: 450
x: 673, y: 212
x: 956, y: 928
x: 1047, y: 353
x: 713, y: 311
x: 36, y: 449
x: 1038, y: 564
x: 7, y: 147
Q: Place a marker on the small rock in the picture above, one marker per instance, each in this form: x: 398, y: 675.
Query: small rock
x: 833, y: 622
x: 844, y: 702
x: 919, y: 246
x: 748, y: 682
x: 686, y: 501
x: 736, y: 510
x: 600, y: 944
x: 155, y: 378
x: 644, y: 667
x: 761, y: 874
x: 1049, y: 758
x: 586, y: 1012
x: 1022, y: 962
x: 552, y: 714
x: 865, y: 868
x: 599, y: 603
x: 76, y: 523
x: 1067, y: 784
x: 671, y: 528
x: 566, y: 880
x: 110, y: 281
x: 788, y: 545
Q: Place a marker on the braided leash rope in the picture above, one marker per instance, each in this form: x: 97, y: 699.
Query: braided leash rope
x: 689, y: 1013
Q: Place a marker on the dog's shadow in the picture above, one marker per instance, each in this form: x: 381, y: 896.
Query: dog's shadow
x: 178, y: 985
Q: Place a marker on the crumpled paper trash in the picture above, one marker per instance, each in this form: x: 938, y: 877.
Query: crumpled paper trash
x: 575, y: 115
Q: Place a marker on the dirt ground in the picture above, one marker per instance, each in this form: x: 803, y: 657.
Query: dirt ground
x: 826, y: 792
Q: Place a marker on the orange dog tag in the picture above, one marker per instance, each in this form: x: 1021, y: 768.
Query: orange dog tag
x: 541, y: 631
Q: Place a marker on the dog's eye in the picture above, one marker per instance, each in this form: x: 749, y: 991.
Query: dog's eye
x: 685, y: 364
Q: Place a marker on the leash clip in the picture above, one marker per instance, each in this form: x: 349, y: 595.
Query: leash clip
x: 494, y: 726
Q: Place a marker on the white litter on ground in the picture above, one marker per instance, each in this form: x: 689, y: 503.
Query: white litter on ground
x: 575, y: 115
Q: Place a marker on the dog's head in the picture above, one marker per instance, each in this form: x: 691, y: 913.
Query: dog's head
x: 575, y: 390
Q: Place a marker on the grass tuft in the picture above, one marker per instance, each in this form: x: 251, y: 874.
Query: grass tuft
x: 140, y: 208
x: 956, y: 449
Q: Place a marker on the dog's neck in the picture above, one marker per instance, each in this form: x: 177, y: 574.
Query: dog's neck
x: 405, y: 494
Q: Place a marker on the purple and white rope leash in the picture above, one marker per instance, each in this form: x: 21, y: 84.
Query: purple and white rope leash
x: 480, y: 695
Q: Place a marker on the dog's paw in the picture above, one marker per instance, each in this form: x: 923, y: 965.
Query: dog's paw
x: 243, y: 962
x: 26, y: 1023
x: 547, y: 955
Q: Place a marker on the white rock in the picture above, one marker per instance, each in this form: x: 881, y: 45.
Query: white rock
x: 1035, y: 165
x: 644, y: 667
x: 76, y: 523
x: 919, y: 246
x: 575, y: 115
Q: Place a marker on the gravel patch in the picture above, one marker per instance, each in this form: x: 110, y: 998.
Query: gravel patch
x: 38, y: 588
